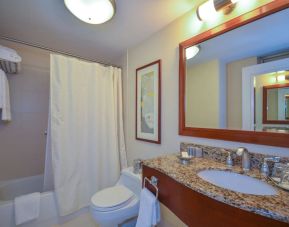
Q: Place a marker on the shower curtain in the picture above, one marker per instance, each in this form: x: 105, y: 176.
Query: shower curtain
x: 86, y: 130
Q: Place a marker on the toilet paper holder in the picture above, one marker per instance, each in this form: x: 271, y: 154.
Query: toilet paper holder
x: 154, y: 182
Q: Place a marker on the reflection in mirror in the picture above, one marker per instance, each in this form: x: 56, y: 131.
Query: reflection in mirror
x: 273, y: 88
x: 215, y: 88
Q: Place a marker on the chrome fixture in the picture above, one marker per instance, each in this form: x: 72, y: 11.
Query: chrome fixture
x: 229, y: 160
x: 152, y: 181
x: 209, y: 9
x: 242, y: 151
x: 265, y: 168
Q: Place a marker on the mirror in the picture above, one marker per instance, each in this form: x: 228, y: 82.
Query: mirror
x: 222, y: 86
x: 214, y: 76
x: 275, y: 98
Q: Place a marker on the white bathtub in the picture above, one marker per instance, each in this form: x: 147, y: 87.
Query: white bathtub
x: 48, y: 209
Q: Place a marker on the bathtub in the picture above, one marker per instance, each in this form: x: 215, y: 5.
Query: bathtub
x: 48, y: 215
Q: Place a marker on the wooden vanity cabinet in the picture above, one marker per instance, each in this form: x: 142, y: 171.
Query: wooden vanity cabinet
x: 197, y: 210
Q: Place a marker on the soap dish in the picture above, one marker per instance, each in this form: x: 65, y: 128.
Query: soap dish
x: 184, y: 160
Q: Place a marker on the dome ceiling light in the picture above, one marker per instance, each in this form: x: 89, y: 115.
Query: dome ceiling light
x: 91, y: 11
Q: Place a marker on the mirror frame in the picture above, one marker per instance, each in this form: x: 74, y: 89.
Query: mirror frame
x: 264, y: 108
x: 255, y: 137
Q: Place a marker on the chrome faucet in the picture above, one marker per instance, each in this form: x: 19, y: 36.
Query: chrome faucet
x: 265, y: 168
x: 246, y: 162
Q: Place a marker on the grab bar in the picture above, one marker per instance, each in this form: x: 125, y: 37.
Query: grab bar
x: 154, y: 182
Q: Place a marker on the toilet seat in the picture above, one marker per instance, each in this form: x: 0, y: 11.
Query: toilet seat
x: 112, y: 198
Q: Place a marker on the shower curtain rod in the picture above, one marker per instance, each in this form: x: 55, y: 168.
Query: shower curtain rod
x: 56, y: 51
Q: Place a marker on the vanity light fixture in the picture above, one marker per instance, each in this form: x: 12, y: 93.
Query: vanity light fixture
x: 192, y: 51
x: 208, y: 10
x: 91, y: 11
x: 281, y: 78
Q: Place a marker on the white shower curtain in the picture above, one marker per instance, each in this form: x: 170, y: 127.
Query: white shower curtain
x: 87, y: 140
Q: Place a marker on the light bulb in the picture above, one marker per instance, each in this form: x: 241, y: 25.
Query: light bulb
x: 280, y: 78
x: 192, y: 52
x: 207, y: 11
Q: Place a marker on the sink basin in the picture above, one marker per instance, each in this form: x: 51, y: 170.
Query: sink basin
x: 237, y: 182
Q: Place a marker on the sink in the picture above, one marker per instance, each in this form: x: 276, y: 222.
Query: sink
x: 237, y: 182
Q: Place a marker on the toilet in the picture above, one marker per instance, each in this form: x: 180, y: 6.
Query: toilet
x: 112, y: 206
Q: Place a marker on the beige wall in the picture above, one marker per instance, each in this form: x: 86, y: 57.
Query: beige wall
x: 272, y: 103
x: 164, y: 45
x: 234, y: 91
x: 22, y: 141
x: 202, y: 95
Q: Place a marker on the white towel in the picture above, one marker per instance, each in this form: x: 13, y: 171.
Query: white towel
x: 4, y: 97
x: 149, y: 211
x: 27, y: 207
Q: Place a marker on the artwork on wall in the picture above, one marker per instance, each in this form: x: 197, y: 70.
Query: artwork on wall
x: 148, y: 102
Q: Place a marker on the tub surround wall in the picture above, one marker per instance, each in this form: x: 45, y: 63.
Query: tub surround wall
x: 22, y: 141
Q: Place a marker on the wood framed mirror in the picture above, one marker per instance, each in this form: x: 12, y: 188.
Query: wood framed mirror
x: 276, y: 104
x: 214, y: 94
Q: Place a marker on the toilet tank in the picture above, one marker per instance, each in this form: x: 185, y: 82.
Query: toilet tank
x: 131, y: 180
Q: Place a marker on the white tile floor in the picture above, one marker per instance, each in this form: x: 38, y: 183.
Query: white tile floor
x: 85, y: 220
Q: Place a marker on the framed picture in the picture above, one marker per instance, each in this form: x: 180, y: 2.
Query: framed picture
x: 148, y: 102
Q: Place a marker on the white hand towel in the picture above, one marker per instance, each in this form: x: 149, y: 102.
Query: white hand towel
x: 26, y: 207
x: 4, y: 97
x: 149, y: 212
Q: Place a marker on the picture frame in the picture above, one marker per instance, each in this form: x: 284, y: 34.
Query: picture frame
x: 148, y: 102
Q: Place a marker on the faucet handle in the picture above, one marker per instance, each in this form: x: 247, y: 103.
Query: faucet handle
x: 265, y: 168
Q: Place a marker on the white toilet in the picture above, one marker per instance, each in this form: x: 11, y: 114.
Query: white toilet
x: 113, y: 206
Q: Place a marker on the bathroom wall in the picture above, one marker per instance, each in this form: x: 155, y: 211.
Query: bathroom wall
x: 164, y: 45
x: 22, y: 141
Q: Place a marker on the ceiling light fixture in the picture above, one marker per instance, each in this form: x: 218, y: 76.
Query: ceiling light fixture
x: 192, y: 52
x: 91, y: 11
x: 208, y: 9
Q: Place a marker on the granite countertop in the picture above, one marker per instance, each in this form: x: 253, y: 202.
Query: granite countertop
x: 276, y: 207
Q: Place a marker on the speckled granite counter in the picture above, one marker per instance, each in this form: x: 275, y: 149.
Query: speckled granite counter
x: 276, y: 207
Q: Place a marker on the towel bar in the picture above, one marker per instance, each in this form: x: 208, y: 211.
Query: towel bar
x: 154, y: 182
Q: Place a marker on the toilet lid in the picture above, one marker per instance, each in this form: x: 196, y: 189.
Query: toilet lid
x: 112, y: 198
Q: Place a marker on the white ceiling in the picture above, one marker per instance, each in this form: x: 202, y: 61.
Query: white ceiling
x: 49, y: 23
